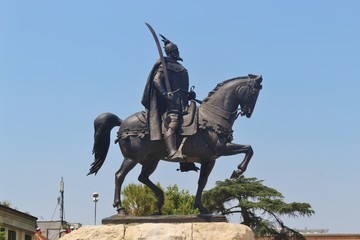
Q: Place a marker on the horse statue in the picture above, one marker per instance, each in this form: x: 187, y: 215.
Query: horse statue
x: 209, y: 139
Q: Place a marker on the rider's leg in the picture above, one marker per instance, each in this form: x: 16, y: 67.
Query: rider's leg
x: 170, y: 134
x: 170, y: 142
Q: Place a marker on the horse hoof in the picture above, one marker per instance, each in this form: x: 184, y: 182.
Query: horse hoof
x: 121, y: 211
x: 157, y: 214
x: 204, y: 211
x: 235, y: 174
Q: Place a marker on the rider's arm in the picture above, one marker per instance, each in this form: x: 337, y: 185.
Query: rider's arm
x: 158, y: 82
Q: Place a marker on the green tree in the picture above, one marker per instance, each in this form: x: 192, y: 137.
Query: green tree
x: 259, y: 206
x: 2, y: 235
x: 178, y: 202
x: 139, y: 200
x: 5, y: 203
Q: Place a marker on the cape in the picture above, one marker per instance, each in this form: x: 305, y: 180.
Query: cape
x: 154, y: 104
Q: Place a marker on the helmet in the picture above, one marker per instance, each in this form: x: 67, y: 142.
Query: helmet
x: 171, y: 49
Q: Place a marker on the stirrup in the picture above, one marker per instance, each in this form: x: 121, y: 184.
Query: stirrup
x: 177, y: 155
x: 187, y: 166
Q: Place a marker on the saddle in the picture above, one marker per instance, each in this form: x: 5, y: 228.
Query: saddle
x: 189, y: 123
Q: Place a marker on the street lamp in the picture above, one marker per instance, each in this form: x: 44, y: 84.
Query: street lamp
x: 95, y: 200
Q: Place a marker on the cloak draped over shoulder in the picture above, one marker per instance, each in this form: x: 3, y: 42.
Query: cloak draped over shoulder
x: 154, y: 104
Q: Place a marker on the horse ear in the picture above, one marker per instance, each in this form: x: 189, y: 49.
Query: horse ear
x: 258, y: 79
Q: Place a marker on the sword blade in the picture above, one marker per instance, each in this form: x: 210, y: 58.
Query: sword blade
x: 162, y: 59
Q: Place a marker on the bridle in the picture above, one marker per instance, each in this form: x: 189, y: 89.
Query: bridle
x: 250, y: 94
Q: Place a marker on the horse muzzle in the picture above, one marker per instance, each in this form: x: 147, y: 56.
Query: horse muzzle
x: 246, y: 112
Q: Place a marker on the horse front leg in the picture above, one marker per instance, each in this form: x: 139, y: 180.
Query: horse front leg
x: 232, y: 149
x: 205, y: 170
x: 120, y: 175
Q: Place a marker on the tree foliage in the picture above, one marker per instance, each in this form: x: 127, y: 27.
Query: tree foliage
x: 259, y: 206
x: 5, y: 203
x: 178, y: 202
x: 139, y: 200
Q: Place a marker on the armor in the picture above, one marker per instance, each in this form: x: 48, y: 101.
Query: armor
x: 179, y: 82
x: 167, y: 106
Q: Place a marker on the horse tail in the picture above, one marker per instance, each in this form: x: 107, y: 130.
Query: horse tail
x: 103, y: 125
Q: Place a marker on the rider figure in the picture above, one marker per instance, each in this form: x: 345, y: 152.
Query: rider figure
x: 168, y: 105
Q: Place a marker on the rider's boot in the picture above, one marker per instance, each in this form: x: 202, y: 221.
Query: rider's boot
x: 174, y: 153
x: 177, y: 155
x: 170, y: 142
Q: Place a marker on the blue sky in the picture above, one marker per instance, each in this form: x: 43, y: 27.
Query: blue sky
x: 62, y: 63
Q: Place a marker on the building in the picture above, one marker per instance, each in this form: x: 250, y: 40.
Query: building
x: 323, y: 236
x: 54, y: 229
x: 16, y: 225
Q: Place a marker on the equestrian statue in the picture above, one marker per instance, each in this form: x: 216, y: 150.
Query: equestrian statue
x: 173, y: 128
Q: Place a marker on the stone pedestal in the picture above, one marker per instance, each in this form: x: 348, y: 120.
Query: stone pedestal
x: 163, y: 231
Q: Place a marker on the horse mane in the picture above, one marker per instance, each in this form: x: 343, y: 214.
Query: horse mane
x: 219, y: 85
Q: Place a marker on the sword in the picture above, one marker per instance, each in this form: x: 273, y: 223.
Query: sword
x: 162, y: 59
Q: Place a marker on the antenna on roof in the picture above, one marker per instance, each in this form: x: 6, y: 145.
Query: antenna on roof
x: 62, y: 201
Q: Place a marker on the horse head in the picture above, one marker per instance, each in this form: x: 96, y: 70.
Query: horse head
x: 221, y: 106
x: 248, y: 93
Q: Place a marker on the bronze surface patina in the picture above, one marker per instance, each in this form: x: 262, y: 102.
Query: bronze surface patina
x: 173, y: 128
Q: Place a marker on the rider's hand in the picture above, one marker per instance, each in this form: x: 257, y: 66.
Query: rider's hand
x: 191, y: 95
x: 169, y: 95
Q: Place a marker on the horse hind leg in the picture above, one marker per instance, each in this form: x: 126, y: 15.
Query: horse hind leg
x: 147, y: 169
x: 205, y: 170
x: 120, y: 175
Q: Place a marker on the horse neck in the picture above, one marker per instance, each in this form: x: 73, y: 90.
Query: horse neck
x: 220, y: 107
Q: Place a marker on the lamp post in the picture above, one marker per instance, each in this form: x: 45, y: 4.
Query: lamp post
x: 95, y: 200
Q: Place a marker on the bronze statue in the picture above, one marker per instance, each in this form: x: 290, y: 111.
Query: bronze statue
x: 204, y: 133
x: 166, y: 97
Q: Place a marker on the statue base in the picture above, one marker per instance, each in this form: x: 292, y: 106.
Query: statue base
x: 164, y: 231
x: 125, y: 219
